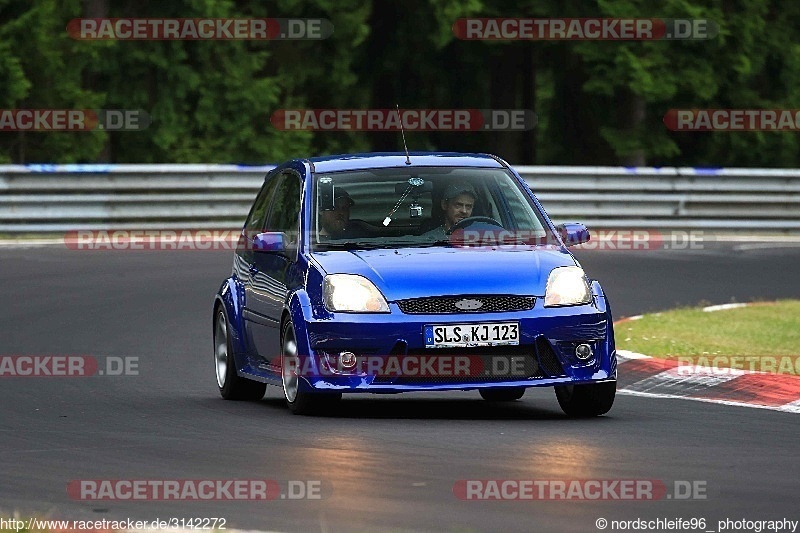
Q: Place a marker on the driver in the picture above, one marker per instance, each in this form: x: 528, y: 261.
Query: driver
x: 457, y: 204
x: 335, y: 224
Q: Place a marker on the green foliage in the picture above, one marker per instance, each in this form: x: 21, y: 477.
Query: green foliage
x: 211, y: 101
x: 44, y: 67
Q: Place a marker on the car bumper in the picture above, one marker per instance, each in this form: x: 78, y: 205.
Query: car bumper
x: 392, y: 357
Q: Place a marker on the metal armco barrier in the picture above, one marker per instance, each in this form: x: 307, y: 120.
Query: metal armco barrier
x: 58, y: 198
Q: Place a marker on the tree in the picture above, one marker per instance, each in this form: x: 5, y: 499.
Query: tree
x: 40, y: 68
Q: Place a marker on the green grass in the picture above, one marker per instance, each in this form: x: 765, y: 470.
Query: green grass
x: 761, y: 329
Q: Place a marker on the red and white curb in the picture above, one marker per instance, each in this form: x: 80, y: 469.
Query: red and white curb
x: 642, y: 375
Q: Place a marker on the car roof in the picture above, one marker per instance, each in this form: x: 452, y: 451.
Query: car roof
x: 335, y: 163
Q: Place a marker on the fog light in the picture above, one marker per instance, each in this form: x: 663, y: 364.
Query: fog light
x: 583, y: 352
x: 347, y: 359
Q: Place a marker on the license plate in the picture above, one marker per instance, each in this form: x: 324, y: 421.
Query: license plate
x: 490, y: 334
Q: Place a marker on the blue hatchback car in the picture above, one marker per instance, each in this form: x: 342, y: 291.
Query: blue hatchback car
x: 389, y: 273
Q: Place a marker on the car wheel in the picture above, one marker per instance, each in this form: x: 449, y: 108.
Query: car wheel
x: 231, y: 386
x: 502, y: 395
x: 300, y: 402
x: 582, y: 401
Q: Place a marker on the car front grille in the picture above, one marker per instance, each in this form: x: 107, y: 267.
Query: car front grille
x: 447, y: 304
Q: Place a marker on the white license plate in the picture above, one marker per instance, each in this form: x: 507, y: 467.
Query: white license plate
x: 490, y: 334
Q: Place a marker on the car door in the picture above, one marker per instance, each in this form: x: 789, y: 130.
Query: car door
x: 243, y: 257
x: 269, y: 270
x: 256, y: 218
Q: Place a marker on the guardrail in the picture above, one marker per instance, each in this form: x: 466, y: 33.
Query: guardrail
x: 58, y: 198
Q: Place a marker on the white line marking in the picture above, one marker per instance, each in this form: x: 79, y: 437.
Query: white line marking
x: 792, y: 407
x: 723, y: 307
x: 31, y: 243
x: 757, y: 238
x: 782, y: 408
x: 762, y: 246
x: 624, y: 356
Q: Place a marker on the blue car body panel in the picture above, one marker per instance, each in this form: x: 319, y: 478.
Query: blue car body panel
x: 548, y: 334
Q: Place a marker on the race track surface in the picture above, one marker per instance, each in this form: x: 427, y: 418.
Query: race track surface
x: 387, y: 463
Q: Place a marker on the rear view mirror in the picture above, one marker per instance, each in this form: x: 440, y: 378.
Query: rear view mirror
x: 325, y: 194
x: 418, y: 185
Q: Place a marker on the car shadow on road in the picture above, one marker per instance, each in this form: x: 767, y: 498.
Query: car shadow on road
x: 407, y: 407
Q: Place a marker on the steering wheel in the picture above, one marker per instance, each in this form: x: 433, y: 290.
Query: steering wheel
x: 472, y: 220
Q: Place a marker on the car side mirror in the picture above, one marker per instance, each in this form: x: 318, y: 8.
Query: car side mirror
x: 270, y: 241
x: 573, y: 233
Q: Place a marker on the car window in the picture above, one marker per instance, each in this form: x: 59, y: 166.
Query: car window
x: 284, y: 214
x: 516, y: 214
x: 258, y: 213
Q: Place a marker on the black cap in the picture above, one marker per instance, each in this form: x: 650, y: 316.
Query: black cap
x: 462, y: 187
x: 341, y: 193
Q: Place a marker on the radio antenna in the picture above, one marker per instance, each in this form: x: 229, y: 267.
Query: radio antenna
x: 403, y: 133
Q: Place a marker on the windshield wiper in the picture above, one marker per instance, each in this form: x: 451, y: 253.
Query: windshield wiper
x: 349, y: 245
x: 437, y: 242
x: 416, y: 243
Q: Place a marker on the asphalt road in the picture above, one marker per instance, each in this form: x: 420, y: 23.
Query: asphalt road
x: 387, y: 463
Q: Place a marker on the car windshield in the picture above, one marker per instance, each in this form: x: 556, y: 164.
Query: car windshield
x: 435, y: 206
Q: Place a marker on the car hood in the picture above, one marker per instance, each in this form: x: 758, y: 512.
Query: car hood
x: 412, y: 273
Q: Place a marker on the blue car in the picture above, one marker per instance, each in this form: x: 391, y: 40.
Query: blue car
x: 394, y: 272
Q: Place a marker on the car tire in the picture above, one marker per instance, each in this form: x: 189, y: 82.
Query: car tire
x: 502, y: 395
x: 231, y: 385
x: 582, y: 401
x: 300, y: 402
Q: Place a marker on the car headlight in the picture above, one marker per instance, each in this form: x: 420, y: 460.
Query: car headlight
x: 567, y: 286
x: 356, y: 294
